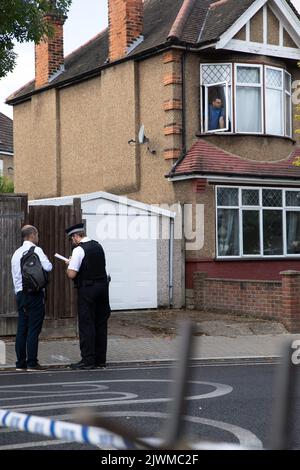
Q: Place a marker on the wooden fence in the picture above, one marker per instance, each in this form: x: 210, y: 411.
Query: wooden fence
x: 51, y: 221
x: 13, y: 215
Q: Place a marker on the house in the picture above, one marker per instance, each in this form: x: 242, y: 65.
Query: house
x: 6, y: 146
x: 212, y: 84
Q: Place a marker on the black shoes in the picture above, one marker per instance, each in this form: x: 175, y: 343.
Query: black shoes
x: 81, y: 365
x: 35, y: 368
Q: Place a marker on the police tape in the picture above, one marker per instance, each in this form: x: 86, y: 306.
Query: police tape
x: 93, y: 436
x: 64, y: 431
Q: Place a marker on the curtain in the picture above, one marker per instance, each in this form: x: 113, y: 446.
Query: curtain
x: 293, y: 232
x: 228, y: 232
x: 274, y: 114
x: 248, y: 109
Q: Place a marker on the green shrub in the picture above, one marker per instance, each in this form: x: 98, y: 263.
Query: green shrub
x: 6, y: 185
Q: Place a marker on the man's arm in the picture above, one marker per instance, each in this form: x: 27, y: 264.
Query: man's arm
x: 15, y: 270
x: 75, y: 262
x: 47, y: 266
x: 222, y: 120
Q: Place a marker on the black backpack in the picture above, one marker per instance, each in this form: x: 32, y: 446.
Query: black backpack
x: 34, y: 277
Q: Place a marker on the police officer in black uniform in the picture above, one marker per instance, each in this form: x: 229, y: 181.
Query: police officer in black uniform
x: 87, y: 268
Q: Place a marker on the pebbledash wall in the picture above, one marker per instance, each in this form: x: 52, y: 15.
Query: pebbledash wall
x: 279, y: 300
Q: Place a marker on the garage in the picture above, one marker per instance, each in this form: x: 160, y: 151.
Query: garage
x: 139, y: 247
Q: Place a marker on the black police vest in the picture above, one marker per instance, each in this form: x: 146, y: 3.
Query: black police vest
x: 93, y: 264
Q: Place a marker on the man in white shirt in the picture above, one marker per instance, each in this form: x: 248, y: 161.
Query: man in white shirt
x: 31, y: 306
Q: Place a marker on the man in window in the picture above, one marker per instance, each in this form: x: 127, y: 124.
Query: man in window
x: 216, y: 117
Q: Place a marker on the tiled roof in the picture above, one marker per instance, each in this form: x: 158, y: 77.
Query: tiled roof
x: 205, y: 158
x: 192, y: 22
x: 6, y: 134
x: 159, y: 16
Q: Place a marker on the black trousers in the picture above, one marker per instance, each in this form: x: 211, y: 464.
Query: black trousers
x: 31, y: 309
x: 93, y: 314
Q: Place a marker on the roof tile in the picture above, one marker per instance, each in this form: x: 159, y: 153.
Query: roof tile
x: 205, y: 158
x: 6, y: 134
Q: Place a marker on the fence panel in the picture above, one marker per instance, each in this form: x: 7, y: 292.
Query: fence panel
x: 61, y: 308
x: 13, y: 214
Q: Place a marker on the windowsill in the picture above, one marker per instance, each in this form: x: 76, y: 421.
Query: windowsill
x: 231, y: 134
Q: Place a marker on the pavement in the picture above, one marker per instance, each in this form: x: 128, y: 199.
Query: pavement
x: 215, y: 340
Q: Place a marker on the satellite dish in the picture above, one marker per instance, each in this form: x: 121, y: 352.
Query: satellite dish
x: 142, y: 138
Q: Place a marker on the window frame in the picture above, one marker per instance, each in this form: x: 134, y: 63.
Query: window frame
x: 202, y: 98
x: 284, y: 209
x: 285, y: 94
x: 249, y: 85
x: 207, y: 108
x: 282, y: 99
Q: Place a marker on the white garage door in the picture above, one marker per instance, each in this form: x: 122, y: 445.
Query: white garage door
x: 132, y: 263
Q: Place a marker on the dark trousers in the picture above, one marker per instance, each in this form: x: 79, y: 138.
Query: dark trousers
x: 93, y: 314
x: 31, y: 310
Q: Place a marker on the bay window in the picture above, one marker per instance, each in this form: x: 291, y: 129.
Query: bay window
x: 261, y: 99
x: 257, y: 222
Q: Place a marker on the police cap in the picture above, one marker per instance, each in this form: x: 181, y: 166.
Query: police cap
x: 74, y: 229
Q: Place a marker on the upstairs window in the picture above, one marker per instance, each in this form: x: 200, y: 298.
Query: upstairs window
x: 248, y: 99
x: 274, y: 101
x: 260, y: 97
x: 216, y: 87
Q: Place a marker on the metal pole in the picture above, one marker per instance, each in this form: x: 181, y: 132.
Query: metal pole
x: 283, y: 407
x: 181, y: 380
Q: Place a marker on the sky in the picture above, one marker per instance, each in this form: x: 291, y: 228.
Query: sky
x: 86, y: 19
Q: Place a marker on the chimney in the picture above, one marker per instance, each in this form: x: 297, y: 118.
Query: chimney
x: 125, y: 18
x: 49, y: 53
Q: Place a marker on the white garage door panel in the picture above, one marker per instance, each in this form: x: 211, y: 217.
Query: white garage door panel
x: 132, y: 264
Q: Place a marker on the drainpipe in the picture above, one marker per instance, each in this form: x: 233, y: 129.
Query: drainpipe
x: 183, y: 94
x: 171, y: 256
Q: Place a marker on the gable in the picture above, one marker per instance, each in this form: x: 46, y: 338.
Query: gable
x: 266, y: 26
x: 269, y: 27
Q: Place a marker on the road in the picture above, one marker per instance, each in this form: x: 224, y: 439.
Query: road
x: 227, y: 402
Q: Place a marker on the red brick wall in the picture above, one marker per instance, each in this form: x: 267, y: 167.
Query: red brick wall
x: 49, y: 53
x: 125, y: 19
x: 279, y: 300
x: 264, y: 270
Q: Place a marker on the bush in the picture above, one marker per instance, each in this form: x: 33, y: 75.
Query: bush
x: 6, y: 185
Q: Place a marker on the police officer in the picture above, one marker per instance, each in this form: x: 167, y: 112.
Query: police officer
x: 87, y: 268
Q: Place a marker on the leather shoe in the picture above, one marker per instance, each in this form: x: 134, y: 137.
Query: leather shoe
x: 81, y: 365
